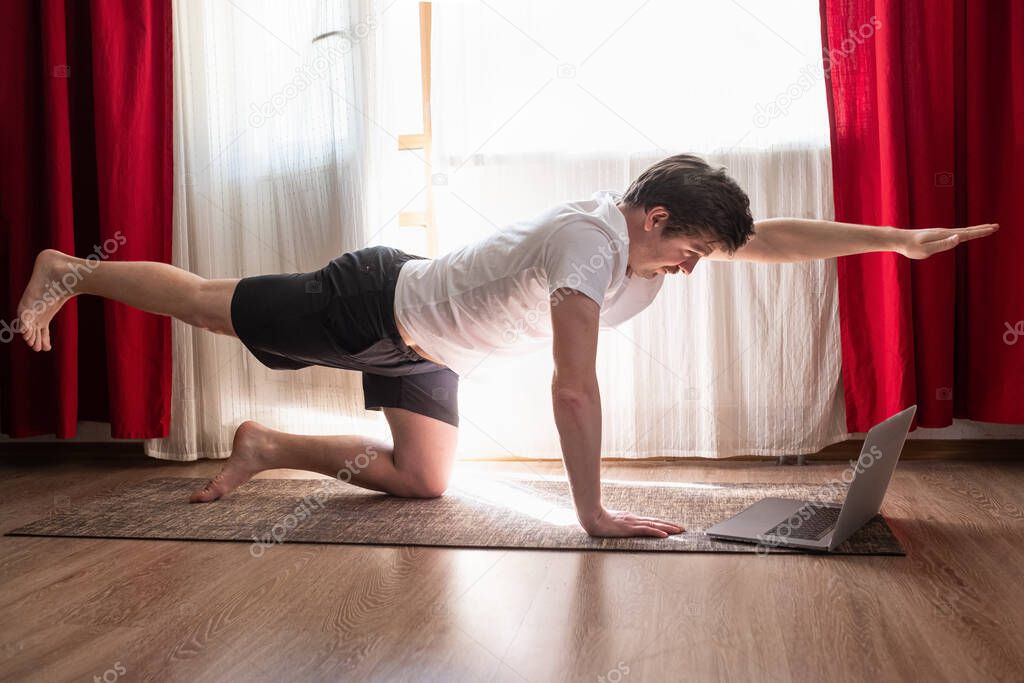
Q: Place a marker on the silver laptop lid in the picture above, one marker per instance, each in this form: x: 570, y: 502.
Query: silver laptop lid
x: 874, y: 468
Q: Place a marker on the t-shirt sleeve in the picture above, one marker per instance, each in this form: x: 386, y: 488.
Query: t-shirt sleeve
x: 582, y: 257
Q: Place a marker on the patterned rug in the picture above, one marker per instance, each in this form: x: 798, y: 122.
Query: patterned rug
x: 481, y: 513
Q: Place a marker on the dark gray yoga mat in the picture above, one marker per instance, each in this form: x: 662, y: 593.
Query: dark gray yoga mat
x: 489, y: 513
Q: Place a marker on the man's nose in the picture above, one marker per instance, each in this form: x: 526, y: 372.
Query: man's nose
x: 688, y: 265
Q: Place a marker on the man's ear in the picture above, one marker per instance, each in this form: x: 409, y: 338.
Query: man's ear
x: 655, y: 218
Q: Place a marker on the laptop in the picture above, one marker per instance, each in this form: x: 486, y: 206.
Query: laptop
x: 810, y: 525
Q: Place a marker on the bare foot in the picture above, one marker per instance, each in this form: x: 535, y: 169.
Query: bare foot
x: 43, y: 297
x: 250, y: 453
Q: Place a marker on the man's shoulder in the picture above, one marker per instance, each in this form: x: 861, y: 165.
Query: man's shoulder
x: 586, y: 255
x: 575, y: 235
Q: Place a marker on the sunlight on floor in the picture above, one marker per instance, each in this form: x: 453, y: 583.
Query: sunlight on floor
x: 510, y: 491
x: 663, y: 484
x: 502, y: 492
x: 618, y: 482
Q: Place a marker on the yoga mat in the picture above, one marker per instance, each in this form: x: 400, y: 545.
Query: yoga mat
x: 485, y: 512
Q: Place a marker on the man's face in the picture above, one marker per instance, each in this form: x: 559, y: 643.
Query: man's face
x: 661, y: 254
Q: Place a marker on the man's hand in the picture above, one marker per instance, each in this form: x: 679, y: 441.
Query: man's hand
x: 617, y: 524
x: 920, y: 244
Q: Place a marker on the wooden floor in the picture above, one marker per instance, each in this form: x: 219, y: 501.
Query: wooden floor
x: 951, y: 610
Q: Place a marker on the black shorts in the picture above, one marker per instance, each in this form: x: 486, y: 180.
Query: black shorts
x: 343, y: 316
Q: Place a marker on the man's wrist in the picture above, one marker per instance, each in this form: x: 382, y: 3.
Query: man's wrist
x: 894, y: 239
x: 589, y: 515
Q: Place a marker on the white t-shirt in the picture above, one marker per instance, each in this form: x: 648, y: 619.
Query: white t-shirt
x: 493, y: 297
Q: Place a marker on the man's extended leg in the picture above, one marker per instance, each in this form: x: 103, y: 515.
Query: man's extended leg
x: 418, y: 465
x: 154, y: 287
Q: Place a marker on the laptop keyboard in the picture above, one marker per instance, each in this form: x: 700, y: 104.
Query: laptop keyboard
x: 809, y: 523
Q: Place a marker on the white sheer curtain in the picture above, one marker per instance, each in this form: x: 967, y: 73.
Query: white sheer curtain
x: 274, y: 151
x: 286, y: 155
x: 535, y: 103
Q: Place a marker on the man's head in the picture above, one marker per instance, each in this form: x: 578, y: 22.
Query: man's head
x: 679, y: 210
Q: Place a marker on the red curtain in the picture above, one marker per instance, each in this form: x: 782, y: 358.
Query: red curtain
x: 926, y: 101
x: 86, y: 168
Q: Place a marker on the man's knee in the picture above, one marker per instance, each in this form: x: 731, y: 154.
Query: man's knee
x: 211, y: 306
x: 426, y: 477
x: 425, y: 486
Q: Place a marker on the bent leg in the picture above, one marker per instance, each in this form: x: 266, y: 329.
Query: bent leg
x: 153, y: 287
x: 417, y: 465
x: 424, y: 451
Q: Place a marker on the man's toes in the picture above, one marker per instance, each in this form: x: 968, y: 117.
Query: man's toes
x: 211, y: 492
x: 46, y: 339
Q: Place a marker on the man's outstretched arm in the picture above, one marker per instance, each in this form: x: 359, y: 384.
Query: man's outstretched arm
x: 576, y: 400
x: 785, y: 240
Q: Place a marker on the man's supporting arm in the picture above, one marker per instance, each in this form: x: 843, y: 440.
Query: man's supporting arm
x: 785, y: 240
x: 576, y: 400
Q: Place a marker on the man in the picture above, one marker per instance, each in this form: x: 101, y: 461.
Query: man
x: 412, y: 325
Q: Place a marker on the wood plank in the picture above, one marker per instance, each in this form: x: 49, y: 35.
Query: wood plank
x: 168, y: 610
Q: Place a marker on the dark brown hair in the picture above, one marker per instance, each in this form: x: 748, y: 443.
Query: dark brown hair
x: 700, y: 200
